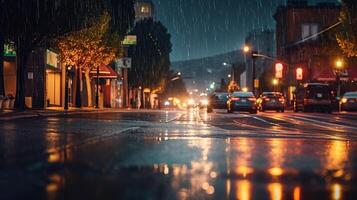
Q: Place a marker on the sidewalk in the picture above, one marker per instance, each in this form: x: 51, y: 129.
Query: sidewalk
x: 6, y: 115
x: 51, y: 111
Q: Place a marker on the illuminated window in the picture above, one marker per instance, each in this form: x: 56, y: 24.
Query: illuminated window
x: 144, y: 9
x: 308, y: 30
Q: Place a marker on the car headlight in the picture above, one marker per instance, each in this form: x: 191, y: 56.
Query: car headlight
x: 205, y: 102
x: 167, y: 103
x: 344, y: 100
x: 191, y: 102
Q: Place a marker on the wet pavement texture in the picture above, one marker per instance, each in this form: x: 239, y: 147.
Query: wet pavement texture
x: 180, y: 155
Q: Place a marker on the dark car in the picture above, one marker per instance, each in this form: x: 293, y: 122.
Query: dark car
x: 217, y: 101
x: 242, y: 101
x: 313, y: 97
x: 349, y: 101
x: 271, y: 101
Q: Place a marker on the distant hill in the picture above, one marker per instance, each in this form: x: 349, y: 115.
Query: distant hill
x: 200, y: 73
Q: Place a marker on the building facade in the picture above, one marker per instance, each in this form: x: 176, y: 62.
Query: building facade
x: 305, y: 39
x: 144, y: 9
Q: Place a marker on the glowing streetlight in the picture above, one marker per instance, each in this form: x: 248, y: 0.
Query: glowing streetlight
x: 229, y: 75
x: 339, y: 64
x: 246, y: 49
x: 275, y: 82
x: 245, y: 89
x: 179, y: 73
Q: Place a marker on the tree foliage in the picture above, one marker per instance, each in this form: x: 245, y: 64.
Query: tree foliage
x: 33, y: 23
x: 89, y: 49
x: 347, y: 37
x: 151, y: 55
x: 233, y: 86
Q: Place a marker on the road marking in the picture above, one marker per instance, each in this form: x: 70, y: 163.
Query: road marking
x: 325, y: 123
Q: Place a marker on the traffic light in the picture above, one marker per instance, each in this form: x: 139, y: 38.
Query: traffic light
x: 279, y: 70
x: 299, y: 74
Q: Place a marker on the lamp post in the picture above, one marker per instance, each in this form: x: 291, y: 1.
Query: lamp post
x: 339, y: 66
x: 254, y: 55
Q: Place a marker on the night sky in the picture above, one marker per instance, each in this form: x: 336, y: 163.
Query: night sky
x: 201, y: 28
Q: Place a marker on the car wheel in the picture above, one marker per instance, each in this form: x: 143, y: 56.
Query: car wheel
x: 253, y: 112
x: 306, y: 109
x: 282, y: 110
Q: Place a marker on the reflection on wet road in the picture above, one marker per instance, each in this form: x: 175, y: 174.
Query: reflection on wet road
x: 180, y: 155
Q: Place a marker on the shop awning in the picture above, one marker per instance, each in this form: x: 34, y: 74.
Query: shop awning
x: 104, y: 72
x: 323, y: 71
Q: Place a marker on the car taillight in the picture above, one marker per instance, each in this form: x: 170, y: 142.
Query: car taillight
x: 266, y: 99
x: 252, y: 99
x: 281, y: 99
x: 235, y: 99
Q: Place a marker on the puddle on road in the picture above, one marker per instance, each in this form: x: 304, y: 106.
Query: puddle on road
x: 206, y: 168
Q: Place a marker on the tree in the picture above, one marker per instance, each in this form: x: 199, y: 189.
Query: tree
x: 347, y: 37
x: 2, y: 84
x: 33, y: 23
x: 151, y: 56
x: 233, y: 86
x: 89, y: 49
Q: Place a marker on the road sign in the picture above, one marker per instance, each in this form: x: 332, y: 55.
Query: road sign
x: 9, y: 50
x: 279, y: 70
x: 256, y: 83
x: 299, y: 74
x: 129, y: 40
x: 123, y: 63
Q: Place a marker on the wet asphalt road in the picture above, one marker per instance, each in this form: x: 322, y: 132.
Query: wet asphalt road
x: 180, y: 155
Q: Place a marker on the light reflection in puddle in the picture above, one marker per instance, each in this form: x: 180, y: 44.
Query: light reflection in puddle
x: 275, y: 191
x: 240, y: 178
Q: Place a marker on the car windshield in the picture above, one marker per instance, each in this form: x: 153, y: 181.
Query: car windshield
x: 319, y: 91
x: 350, y: 94
x: 243, y: 94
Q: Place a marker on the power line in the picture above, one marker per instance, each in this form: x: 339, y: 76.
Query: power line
x: 317, y: 34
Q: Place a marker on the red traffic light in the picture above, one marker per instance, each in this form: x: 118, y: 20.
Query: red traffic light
x: 279, y: 70
x: 299, y: 74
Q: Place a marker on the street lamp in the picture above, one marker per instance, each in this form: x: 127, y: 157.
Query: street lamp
x: 275, y: 84
x: 339, y: 66
x: 246, y: 49
x: 254, y: 54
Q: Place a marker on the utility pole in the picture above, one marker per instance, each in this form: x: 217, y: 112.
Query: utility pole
x: 254, y: 53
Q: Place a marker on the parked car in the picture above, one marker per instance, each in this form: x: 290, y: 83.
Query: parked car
x: 242, y: 101
x: 313, y: 97
x: 217, y: 100
x: 349, y: 101
x: 271, y: 101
